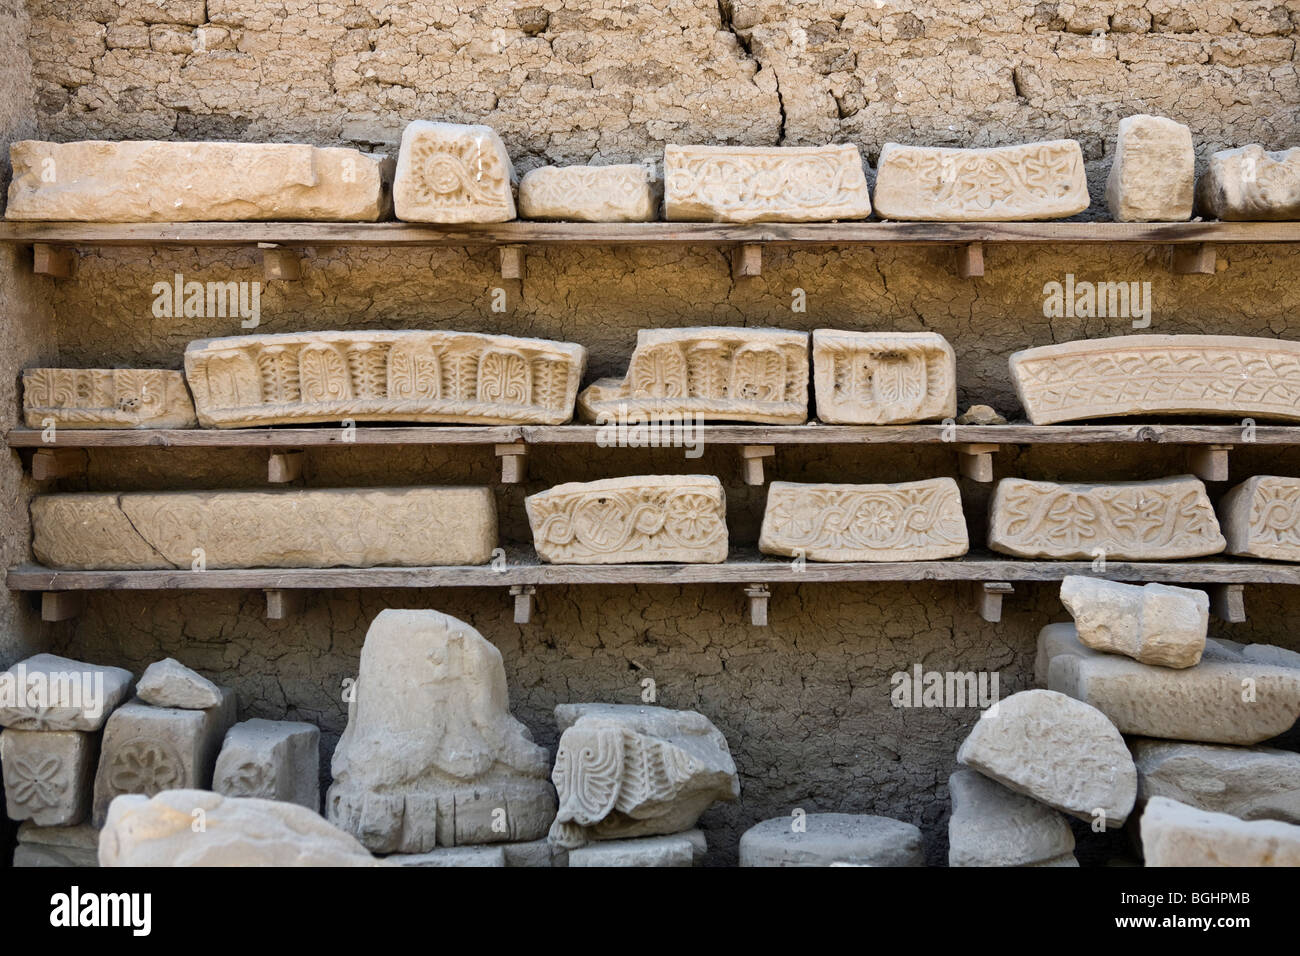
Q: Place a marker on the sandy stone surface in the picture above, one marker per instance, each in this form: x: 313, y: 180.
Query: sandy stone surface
x: 1153, y: 174
x: 993, y: 826
x: 623, y: 192
x: 883, y: 378
x: 1174, y: 834
x: 1253, y: 783
x: 1250, y: 183
x: 106, y: 398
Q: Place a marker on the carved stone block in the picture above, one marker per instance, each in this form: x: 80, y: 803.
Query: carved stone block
x: 998, y: 184
x: 909, y: 521
x: 764, y: 183
x: 1118, y: 521
x: 272, y: 759
x: 106, y: 398
x: 450, y: 173
x: 623, y: 520
x: 883, y: 378
x: 1153, y: 174
x: 1174, y: 834
x: 1250, y: 183
x: 622, y: 193
x: 458, y: 377
x: 1261, y: 518
x: 355, y: 528
x: 146, y: 181
x: 48, y: 774
x: 722, y: 374
x: 48, y: 692
x: 1221, y: 375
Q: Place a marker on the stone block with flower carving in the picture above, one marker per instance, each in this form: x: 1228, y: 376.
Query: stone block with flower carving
x: 273, y: 759
x: 449, y: 173
x: 47, y: 775
x: 106, y: 398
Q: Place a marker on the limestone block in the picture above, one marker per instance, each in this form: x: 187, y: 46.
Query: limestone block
x: 272, y: 759
x: 721, y: 374
x: 625, y: 771
x: 106, y: 398
x: 1250, y: 183
x: 1261, y: 518
x: 1153, y: 175
x: 623, y: 193
x: 147, y: 750
x: 536, y: 853
x: 292, y: 528
x: 1217, y: 701
x: 431, y: 755
x: 169, y: 683
x: 1058, y: 750
x: 883, y: 378
x: 832, y: 838
x: 236, y: 831
x: 150, y: 181
x: 53, y: 856
x: 450, y: 173
x: 674, y: 849
x: 454, y: 377
x: 48, y: 692
x: 993, y: 826
x: 909, y: 521
x: 1174, y: 834
x: 57, y: 846
x: 1120, y: 520
x: 764, y: 183
x: 1230, y: 376
x: 1253, y: 783
x: 1268, y: 654
x: 1029, y: 181
x: 473, y: 856
x: 47, y: 774
x: 1154, y: 623
x: 677, y: 518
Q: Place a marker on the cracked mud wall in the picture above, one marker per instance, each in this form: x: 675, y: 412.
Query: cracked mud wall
x: 805, y: 702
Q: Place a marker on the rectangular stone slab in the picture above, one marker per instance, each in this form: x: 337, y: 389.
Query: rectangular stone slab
x: 883, y: 378
x: 1127, y: 520
x: 455, y: 377
x: 1251, y: 183
x: 624, y: 193
x: 1174, y: 834
x: 720, y: 374
x: 909, y: 521
x: 272, y: 759
x: 764, y: 183
x: 48, y: 692
x: 1220, y: 375
x: 997, y: 184
x: 147, y: 181
x: 1261, y: 518
x: 1153, y: 172
x: 48, y: 774
x: 351, y: 528
x: 677, y: 518
x: 450, y: 173
x: 106, y: 398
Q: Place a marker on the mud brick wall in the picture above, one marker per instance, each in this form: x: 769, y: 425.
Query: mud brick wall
x: 805, y: 702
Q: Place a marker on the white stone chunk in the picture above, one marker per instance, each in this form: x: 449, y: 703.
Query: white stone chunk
x: 674, y: 849
x: 48, y: 774
x: 993, y: 826
x: 1153, y: 174
x: 1250, y: 183
x: 48, y: 692
x: 1253, y: 783
x: 449, y: 173
x: 621, y: 193
x: 831, y: 839
x: 1153, y: 623
x: 1261, y: 518
x: 272, y: 759
x: 1174, y: 834
x: 169, y: 683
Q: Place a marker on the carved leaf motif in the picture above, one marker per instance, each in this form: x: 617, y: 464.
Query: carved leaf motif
x: 414, y: 371
x: 39, y: 783
x: 323, y: 373
x: 757, y: 374
x: 504, y: 376
x: 659, y: 371
x: 588, y: 773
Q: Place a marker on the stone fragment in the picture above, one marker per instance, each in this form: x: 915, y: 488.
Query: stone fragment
x: 624, y: 770
x: 1174, y: 834
x: 455, y: 377
x: 1029, y: 181
x: 535, y: 853
x: 431, y: 755
x: 356, y: 528
x: 1253, y: 783
x: 1153, y: 623
x: 57, y: 846
x: 1060, y: 751
x: 169, y: 683
x: 147, y: 750
x: 147, y: 181
x: 106, y: 398
x: 48, y: 692
x: 883, y: 378
x: 1217, y: 701
x: 1261, y: 518
x: 1153, y: 175
x: 1229, y: 376
x: 48, y: 774
x: 718, y: 374
x: 450, y: 173
x: 980, y: 415
x: 764, y: 184
x: 236, y: 831
x: 272, y: 759
x: 1268, y: 654
x: 993, y: 826
x: 1249, y: 183
x: 473, y: 856
x: 623, y: 193
x: 909, y: 521
x: 677, y: 518
x: 856, y: 839
x: 674, y: 849
x: 1120, y: 520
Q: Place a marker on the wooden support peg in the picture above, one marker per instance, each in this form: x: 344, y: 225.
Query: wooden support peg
x: 758, y: 595
x: 975, y: 460
x: 61, y: 605
x: 1209, y: 462
x: 284, y: 466
x: 284, y: 603
x: 752, y: 458
x: 49, y: 463
x: 514, y: 462
x: 970, y: 260
x: 1228, y: 602
x: 1193, y: 259
x: 523, y: 595
x: 280, y: 263
x: 59, y: 262
x: 746, y: 261
x: 512, y: 262
x: 988, y: 599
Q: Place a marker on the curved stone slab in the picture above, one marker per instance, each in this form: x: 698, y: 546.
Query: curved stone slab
x: 993, y: 826
x: 449, y: 173
x: 1250, y: 183
x: 1153, y: 173
x: 1174, y: 834
x: 1220, y: 375
x: 883, y: 378
x: 106, y: 398
x: 456, y: 377
x: 1261, y: 518
x: 997, y: 184
x: 623, y: 193
x: 853, y: 839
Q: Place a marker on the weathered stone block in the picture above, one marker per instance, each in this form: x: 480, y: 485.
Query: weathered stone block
x: 622, y: 193
x: 47, y: 774
x: 1174, y: 834
x: 1154, y: 623
x: 48, y: 692
x: 1153, y: 174
x: 1253, y: 783
x: 169, y: 683
x: 450, y: 173
x: 1261, y: 518
x: 830, y: 838
x: 472, y: 856
x: 1250, y: 183
x: 675, y: 849
x: 993, y: 826
x: 57, y: 846
x: 271, y: 759
x: 106, y: 398
x: 883, y: 378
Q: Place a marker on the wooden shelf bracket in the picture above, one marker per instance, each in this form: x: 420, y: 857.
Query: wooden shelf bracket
x: 523, y: 595
x: 512, y: 262
x: 61, y: 605
x: 50, y: 463
x: 751, y: 458
x: 58, y: 262
x: 1228, y: 602
x: 975, y: 460
x: 1194, y: 258
x: 970, y: 260
x: 758, y: 595
x: 988, y: 599
x: 1209, y: 462
x: 746, y: 261
x: 514, y: 462
x: 283, y: 467
x: 284, y: 603
x: 279, y: 263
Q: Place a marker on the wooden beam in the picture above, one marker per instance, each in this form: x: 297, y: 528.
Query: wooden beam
x: 512, y: 262
x: 280, y: 264
x: 988, y: 599
x: 970, y: 260
x: 523, y: 595
x: 1228, y: 602
x: 975, y: 460
x: 51, y: 463
x: 58, y: 262
x: 1198, y: 259
x: 514, y: 462
x: 751, y: 458
x: 61, y: 605
x: 1209, y: 462
x: 284, y: 603
x: 283, y: 467
x: 746, y: 261
x: 758, y: 595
